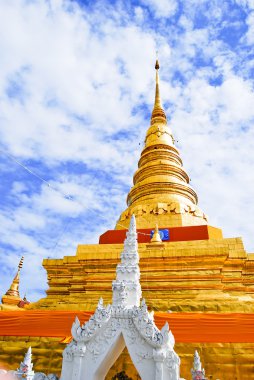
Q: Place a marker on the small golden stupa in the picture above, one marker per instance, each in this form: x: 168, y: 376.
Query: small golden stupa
x: 156, y: 241
x: 12, y: 297
x: 156, y: 236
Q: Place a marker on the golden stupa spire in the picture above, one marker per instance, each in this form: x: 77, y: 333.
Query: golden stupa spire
x: 14, y: 288
x: 158, y: 114
x: 161, y: 191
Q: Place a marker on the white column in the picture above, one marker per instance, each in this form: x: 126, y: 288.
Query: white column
x: 159, y: 356
x: 78, y: 354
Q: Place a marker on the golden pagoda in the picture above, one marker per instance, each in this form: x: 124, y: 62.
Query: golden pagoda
x: 12, y: 297
x: 161, y: 191
x: 189, y: 272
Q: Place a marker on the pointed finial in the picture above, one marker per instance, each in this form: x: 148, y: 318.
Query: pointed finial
x: 100, y: 303
x: 21, y: 263
x: 157, y: 65
x: 132, y: 226
x: 131, y: 234
x: 197, y: 362
x: 158, y: 114
x: 156, y: 235
x: 28, y: 356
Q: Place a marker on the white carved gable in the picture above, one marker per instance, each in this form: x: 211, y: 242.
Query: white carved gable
x: 126, y: 323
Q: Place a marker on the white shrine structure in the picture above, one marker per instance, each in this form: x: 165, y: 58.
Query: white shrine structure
x: 198, y: 373
x: 25, y: 371
x: 26, y: 367
x: 97, y: 344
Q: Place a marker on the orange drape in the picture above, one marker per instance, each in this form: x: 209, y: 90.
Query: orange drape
x: 186, y: 327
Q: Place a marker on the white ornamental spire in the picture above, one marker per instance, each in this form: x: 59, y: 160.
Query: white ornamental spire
x: 197, y: 372
x: 25, y: 369
x: 131, y: 243
x: 126, y: 288
x: 197, y: 366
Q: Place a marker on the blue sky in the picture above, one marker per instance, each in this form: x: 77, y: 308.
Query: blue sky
x: 76, y: 92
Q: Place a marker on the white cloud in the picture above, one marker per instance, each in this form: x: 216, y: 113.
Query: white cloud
x: 162, y: 8
x: 62, y: 54
x: 139, y: 14
x: 246, y: 3
x: 218, y: 151
x: 250, y: 32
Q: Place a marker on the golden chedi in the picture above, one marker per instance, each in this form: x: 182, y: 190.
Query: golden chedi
x: 195, y: 269
x: 161, y: 192
x: 12, y: 296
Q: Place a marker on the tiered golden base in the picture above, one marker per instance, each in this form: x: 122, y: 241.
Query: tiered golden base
x: 10, y: 300
x: 213, y: 275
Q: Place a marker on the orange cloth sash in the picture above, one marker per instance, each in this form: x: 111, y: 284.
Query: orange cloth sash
x: 186, y: 327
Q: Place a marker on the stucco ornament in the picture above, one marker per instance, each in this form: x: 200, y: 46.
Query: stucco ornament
x: 95, y: 323
x: 126, y: 323
x: 42, y: 376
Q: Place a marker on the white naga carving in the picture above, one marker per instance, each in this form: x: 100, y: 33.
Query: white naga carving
x: 126, y: 323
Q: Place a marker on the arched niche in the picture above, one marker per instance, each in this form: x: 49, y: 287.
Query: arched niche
x: 123, y: 364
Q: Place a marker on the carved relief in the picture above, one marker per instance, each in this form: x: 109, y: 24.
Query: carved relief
x: 164, y: 208
x: 90, y: 328
x: 101, y: 342
x: 42, y: 376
